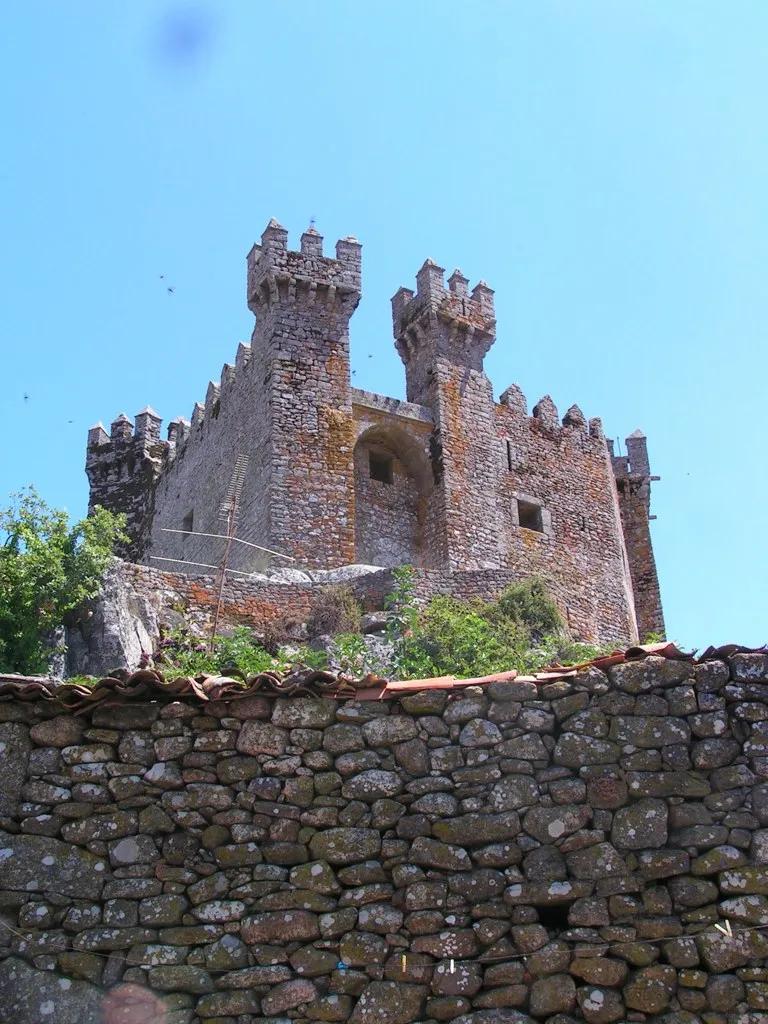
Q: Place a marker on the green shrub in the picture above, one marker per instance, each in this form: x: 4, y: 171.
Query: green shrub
x: 47, y: 568
x: 355, y: 658
x: 336, y: 610
x: 182, y: 653
x: 461, y: 639
x: 529, y: 604
x: 306, y: 657
x: 654, y: 638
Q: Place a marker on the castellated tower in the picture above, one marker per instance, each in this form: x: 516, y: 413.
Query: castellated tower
x: 633, y: 483
x: 123, y: 467
x: 303, y: 302
x: 442, y: 336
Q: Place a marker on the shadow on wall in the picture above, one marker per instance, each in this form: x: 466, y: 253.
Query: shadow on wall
x: 393, y: 489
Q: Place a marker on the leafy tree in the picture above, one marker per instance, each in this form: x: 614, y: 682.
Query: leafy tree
x: 47, y: 568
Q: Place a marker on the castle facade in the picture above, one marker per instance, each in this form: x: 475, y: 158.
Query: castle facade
x: 447, y: 480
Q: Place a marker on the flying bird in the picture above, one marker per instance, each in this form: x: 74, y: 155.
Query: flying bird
x: 26, y: 397
x: 170, y: 291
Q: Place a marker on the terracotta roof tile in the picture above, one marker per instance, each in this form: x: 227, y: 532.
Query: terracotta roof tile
x: 149, y: 685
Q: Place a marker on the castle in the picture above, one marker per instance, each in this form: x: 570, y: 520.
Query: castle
x: 447, y: 480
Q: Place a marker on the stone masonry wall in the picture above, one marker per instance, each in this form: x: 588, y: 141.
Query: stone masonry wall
x: 136, y: 599
x: 562, y: 468
x: 494, y: 855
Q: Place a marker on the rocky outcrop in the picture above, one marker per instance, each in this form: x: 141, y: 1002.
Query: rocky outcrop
x: 494, y: 855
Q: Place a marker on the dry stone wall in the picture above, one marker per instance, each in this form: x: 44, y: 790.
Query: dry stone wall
x: 492, y: 855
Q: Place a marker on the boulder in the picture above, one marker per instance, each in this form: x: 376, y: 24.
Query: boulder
x: 29, y: 996
x: 40, y: 864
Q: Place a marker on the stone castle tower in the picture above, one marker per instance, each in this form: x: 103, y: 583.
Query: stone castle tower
x: 448, y: 480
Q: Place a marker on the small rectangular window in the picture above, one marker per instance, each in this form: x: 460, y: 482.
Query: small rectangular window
x: 188, y: 523
x: 529, y: 516
x: 509, y: 456
x: 380, y: 468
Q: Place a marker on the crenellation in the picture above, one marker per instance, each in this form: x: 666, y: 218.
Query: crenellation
x: 97, y: 436
x: 212, y: 395
x: 514, y: 399
x: 147, y: 425
x: 574, y: 417
x: 458, y: 284
x: 198, y: 416
x: 545, y: 412
x: 637, y: 452
x: 596, y: 427
x: 279, y: 276
x: 121, y: 429
x: 448, y: 479
x: 243, y: 356
x: 228, y: 375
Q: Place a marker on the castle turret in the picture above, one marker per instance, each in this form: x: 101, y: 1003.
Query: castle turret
x: 303, y: 456
x: 123, y: 467
x: 442, y: 335
x: 633, y: 483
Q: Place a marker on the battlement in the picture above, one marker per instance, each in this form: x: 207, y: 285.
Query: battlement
x: 277, y: 274
x: 454, y: 304
x: 142, y: 434
x: 635, y: 463
x: 545, y: 413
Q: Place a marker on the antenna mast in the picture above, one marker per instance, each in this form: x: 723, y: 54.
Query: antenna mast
x: 229, y: 511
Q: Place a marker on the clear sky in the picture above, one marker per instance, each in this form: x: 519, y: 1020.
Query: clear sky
x: 602, y: 164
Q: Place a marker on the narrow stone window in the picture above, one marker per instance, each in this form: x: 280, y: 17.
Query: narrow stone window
x: 509, y: 456
x: 188, y: 523
x: 529, y: 516
x: 380, y: 468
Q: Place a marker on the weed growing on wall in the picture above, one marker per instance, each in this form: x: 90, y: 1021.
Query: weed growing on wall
x: 336, y: 610
x: 182, y: 653
x: 522, y: 631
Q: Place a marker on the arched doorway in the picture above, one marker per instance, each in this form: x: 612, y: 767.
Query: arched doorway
x: 393, y: 483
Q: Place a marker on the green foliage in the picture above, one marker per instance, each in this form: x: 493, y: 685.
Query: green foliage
x: 454, y: 638
x: 402, y: 621
x: 654, y: 638
x: 528, y: 604
x: 307, y: 657
x: 47, y: 568
x: 182, y: 653
x: 522, y: 631
x: 355, y: 658
x: 336, y: 610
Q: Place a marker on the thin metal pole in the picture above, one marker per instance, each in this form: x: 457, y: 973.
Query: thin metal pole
x: 205, y: 565
x: 230, y: 534
x: 223, y: 536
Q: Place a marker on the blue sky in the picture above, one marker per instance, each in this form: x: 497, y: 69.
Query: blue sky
x: 602, y: 165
